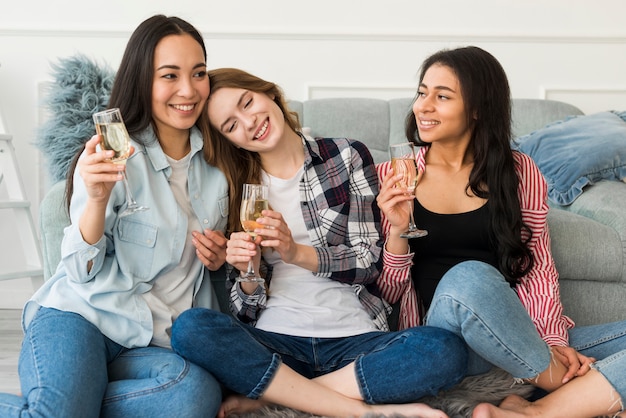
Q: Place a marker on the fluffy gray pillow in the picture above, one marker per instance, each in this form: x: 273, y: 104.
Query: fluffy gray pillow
x: 79, y: 88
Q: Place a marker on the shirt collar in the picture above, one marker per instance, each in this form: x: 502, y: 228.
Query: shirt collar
x: 154, y: 151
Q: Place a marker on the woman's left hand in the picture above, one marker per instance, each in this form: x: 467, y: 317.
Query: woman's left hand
x: 576, y: 363
x: 210, y: 248
x: 277, y: 236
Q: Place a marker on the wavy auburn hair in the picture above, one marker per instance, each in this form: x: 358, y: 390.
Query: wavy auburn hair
x: 239, y: 165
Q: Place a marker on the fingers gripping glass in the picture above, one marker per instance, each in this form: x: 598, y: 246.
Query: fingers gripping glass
x: 110, y: 126
x: 253, y: 202
x: 403, y: 162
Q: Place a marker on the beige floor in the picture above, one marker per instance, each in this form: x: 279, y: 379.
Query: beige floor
x: 10, y: 341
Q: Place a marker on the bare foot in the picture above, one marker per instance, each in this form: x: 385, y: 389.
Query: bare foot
x: 512, y: 406
x: 239, y: 404
x: 419, y: 410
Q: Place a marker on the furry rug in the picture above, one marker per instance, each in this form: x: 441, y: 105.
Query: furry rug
x: 80, y: 88
x: 457, y: 402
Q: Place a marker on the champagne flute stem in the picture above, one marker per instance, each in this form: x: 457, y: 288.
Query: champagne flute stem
x: 412, y: 226
x: 130, y: 200
x: 250, y: 273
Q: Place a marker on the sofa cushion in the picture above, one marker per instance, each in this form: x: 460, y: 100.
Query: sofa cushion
x: 597, y: 255
x: 578, y: 151
x: 366, y: 120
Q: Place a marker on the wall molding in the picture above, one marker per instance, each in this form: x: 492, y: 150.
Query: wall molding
x: 382, y: 91
x: 547, y: 91
x: 356, y: 35
x: 590, y: 99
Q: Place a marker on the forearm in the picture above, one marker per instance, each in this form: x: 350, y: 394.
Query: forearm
x: 92, y: 220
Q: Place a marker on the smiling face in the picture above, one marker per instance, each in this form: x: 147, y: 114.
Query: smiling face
x: 180, y: 86
x: 439, y: 108
x: 248, y: 119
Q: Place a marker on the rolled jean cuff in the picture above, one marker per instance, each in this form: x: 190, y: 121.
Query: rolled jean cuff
x: 612, y: 368
x: 269, y: 374
x: 366, y: 394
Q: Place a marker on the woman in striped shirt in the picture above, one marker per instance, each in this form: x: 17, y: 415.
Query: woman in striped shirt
x: 485, y: 270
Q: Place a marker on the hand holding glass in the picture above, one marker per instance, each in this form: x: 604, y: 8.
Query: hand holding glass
x: 253, y: 202
x: 110, y: 125
x: 403, y: 162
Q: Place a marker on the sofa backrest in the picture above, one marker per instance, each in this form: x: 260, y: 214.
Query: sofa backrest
x: 379, y: 123
x: 375, y: 122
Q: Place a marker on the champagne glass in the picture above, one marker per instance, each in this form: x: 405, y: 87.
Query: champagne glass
x: 403, y: 162
x: 253, y: 202
x: 110, y: 125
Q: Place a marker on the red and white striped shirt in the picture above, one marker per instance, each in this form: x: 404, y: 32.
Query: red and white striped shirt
x: 538, y: 290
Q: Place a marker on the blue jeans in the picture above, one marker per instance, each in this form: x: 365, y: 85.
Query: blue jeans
x: 474, y: 301
x: 69, y: 369
x: 391, y: 367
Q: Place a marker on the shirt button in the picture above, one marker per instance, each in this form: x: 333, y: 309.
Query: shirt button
x: 206, y: 221
x: 195, y: 196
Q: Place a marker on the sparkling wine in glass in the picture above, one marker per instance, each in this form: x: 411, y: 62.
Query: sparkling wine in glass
x: 253, y: 202
x: 110, y: 125
x: 403, y: 162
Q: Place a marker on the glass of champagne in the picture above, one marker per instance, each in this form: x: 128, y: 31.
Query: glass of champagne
x: 110, y: 125
x: 253, y: 202
x: 403, y: 162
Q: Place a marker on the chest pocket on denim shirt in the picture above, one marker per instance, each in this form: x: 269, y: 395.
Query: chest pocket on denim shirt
x: 135, y: 248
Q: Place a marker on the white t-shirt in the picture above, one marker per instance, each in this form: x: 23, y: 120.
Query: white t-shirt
x: 173, y: 291
x: 300, y: 303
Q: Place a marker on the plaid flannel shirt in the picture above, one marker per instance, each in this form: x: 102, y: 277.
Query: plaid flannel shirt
x: 338, y: 201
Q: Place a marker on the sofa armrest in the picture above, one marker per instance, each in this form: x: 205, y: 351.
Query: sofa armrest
x: 605, y: 203
x: 53, y: 218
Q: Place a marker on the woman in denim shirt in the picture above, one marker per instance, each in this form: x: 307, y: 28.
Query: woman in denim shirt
x: 313, y: 337
x: 97, y: 333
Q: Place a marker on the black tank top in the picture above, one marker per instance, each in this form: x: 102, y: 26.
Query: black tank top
x: 451, y: 239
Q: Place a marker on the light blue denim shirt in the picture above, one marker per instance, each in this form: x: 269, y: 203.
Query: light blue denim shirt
x: 134, y: 250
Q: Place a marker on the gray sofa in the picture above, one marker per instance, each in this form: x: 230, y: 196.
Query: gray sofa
x: 588, y: 237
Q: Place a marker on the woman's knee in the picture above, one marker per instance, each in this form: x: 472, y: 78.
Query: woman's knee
x: 469, y: 275
x: 195, y: 321
x: 440, y: 346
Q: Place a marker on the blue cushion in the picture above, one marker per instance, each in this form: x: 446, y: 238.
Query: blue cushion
x: 578, y: 151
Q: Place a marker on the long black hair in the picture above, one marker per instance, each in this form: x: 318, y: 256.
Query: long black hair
x: 132, y: 88
x: 487, y: 98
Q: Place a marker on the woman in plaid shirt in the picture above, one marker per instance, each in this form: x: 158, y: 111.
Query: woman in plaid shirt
x: 485, y: 270
x: 314, y: 337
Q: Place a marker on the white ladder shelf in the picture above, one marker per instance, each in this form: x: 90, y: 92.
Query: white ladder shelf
x: 31, y: 265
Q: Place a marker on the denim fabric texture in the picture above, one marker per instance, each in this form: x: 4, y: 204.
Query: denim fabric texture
x: 577, y: 152
x: 391, y: 367
x: 107, y: 380
x: 474, y: 301
x: 134, y: 250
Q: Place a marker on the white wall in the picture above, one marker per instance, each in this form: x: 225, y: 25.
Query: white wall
x: 571, y: 50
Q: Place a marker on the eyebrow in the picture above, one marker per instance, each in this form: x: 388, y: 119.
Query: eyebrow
x: 438, y: 88
x: 176, y: 67
x: 238, y: 105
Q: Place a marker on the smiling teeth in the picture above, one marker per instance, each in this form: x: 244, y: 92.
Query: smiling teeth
x: 429, y: 122
x: 262, y: 131
x: 185, y: 108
